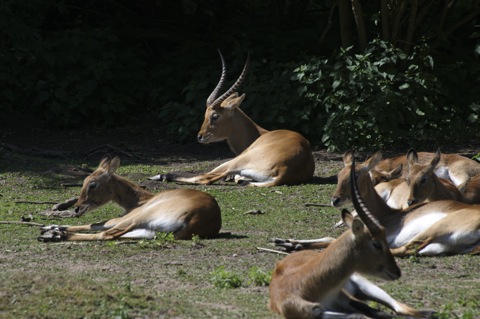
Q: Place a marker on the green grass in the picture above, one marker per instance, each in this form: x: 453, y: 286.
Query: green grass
x: 173, y: 279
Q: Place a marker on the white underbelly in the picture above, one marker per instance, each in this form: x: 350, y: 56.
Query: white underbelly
x: 413, y: 228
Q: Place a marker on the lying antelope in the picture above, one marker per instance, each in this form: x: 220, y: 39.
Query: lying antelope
x: 435, y: 228
x: 310, y: 284
x: 420, y: 185
x: 453, y: 167
x: 264, y: 158
x: 183, y: 212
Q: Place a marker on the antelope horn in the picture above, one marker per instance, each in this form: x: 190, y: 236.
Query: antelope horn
x: 213, y: 95
x: 368, y: 219
x: 235, y: 85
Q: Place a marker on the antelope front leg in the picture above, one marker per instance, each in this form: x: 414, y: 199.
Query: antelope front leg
x: 411, y: 248
x: 294, y: 244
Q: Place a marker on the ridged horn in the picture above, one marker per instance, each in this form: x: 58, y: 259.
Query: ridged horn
x: 214, y: 93
x: 235, y: 85
x: 368, y: 219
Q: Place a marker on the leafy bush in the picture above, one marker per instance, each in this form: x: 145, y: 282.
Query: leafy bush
x: 222, y: 278
x: 377, y: 99
x: 259, y: 277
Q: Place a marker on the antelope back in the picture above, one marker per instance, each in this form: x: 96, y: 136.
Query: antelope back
x: 97, y: 187
x: 342, y: 193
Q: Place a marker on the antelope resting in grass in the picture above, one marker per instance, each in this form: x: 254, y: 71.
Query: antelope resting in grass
x: 420, y: 185
x: 425, y: 185
x: 435, y: 228
x: 310, y: 284
x: 183, y: 212
x: 453, y: 167
x: 264, y: 158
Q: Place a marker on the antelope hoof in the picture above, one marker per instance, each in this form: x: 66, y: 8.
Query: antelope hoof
x: 53, y: 235
x: 162, y: 177
x: 285, y: 243
x: 156, y: 178
x: 57, y: 228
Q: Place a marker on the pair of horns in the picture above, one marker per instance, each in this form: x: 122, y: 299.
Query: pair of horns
x: 212, y: 99
x: 368, y: 219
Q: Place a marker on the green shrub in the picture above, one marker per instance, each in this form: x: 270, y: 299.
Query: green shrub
x: 222, y: 278
x: 377, y: 99
x: 259, y: 277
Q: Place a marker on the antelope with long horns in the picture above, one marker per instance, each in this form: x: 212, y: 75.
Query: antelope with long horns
x: 327, y: 284
x: 456, y: 168
x: 183, y: 212
x: 436, y: 228
x: 264, y: 158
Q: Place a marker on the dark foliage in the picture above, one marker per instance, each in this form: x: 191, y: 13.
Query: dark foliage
x: 373, y: 77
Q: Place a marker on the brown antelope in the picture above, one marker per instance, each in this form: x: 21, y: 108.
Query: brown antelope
x: 310, y: 284
x: 183, y: 212
x: 453, y: 167
x: 264, y: 158
x: 435, y: 228
x: 425, y: 185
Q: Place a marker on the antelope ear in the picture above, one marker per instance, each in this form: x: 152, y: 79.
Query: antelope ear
x: 412, y: 157
x: 233, y: 101
x: 114, y: 164
x: 105, y: 162
x: 436, y: 159
x: 373, y: 160
x: 396, y: 172
x: 347, y: 158
x: 347, y: 218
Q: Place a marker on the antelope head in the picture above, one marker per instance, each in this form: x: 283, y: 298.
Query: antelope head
x: 419, y: 178
x: 342, y: 194
x: 96, y: 190
x: 379, y: 175
x: 216, y: 127
x: 375, y: 253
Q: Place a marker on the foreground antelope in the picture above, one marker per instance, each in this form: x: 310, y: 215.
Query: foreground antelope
x: 435, y: 228
x: 453, y: 167
x: 310, y: 284
x: 264, y: 158
x: 183, y: 212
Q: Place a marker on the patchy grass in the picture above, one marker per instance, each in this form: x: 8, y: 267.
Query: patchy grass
x: 173, y: 279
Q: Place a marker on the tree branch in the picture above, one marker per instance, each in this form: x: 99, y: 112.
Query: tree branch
x: 359, y: 21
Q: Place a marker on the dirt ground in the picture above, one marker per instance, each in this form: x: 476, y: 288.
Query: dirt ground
x: 29, y: 136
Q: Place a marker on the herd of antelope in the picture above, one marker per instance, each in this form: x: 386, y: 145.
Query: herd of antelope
x: 426, y: 204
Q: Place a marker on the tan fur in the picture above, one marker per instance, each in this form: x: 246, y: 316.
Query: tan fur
x: 461, y: 237
x: 227, y: 122
x: 435, y: 228
x: 184, y: 212
x: 306, y: 283
x: 103, y: 186
x: 279, y: 157
x: 458, y: 168
x: 425, y: 185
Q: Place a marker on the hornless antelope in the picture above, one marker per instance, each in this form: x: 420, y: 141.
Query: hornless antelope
x: 453, y: 167
x: 310, y: 284
x: 435, y: 228
x: 183, y: 212
x: 425, y: 185
x: 264, y: 158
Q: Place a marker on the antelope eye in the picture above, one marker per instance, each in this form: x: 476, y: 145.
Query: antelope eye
x: 377, y: 245
x: 423, y: 180
x: 215, y: 116
x: 92, y: 185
